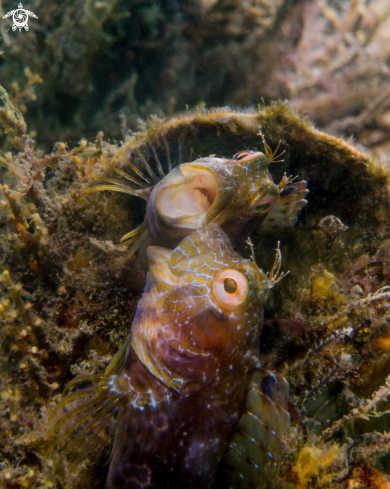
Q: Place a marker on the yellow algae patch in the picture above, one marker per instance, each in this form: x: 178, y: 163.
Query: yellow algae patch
x: 382, y: 343
x: 324, y: 287
x: 313, y: 463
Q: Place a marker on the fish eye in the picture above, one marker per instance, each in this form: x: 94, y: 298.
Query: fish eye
x: 230, y: 285
x: 259, y: 208
x: 230, y: 288
x: 241, y: 154
x: 263, y: 207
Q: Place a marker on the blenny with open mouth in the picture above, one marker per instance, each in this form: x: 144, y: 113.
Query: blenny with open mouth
x: 238, y: 194
x: 179, y: 393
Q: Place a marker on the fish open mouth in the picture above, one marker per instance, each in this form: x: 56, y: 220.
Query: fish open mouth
x: 186, y: 204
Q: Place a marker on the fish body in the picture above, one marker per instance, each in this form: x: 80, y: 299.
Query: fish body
x: 197, y: 348
x: 258, y: 443
x: 179, y: 392
x: 236, y: 194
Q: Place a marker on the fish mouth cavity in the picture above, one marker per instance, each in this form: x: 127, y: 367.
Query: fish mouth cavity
x: 186, y: 204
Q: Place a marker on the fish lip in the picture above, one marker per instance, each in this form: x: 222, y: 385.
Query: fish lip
x: 186, y: 201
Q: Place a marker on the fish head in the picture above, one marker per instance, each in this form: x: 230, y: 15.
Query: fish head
x: 252, y: 198
x: 236, y: 194
x: 210, y: 312
x: 179, y: 203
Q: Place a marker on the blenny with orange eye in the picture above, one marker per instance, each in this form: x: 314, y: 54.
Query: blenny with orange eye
x: 238, y: 194
x: 179, y: 392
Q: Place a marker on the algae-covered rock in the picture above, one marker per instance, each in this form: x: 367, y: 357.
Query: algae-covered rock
x: 69, y: 291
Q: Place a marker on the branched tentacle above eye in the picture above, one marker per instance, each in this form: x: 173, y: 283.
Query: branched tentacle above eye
x: 271, y: 155
x: 275, y: 275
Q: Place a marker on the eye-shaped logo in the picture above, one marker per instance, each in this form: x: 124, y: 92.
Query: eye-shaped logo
x: 20, y: 18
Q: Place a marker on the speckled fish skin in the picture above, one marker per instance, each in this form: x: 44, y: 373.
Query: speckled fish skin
x: 191, y: 356
x: 236, y: 194
x: 258, y: 444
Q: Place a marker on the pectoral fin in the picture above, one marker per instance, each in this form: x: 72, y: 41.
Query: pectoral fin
x: 252, y: 457
x: 284, y: 214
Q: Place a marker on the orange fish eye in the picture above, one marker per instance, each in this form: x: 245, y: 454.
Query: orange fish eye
x: 230, y: 288
x: 240, y: 155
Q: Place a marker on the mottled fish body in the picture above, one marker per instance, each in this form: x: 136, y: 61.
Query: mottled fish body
x: 180, y: 390
x: 238, y: 194
x: 258, y: 443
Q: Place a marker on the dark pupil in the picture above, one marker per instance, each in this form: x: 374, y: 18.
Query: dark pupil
x: 230, y: 285
x: 263, y: 207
